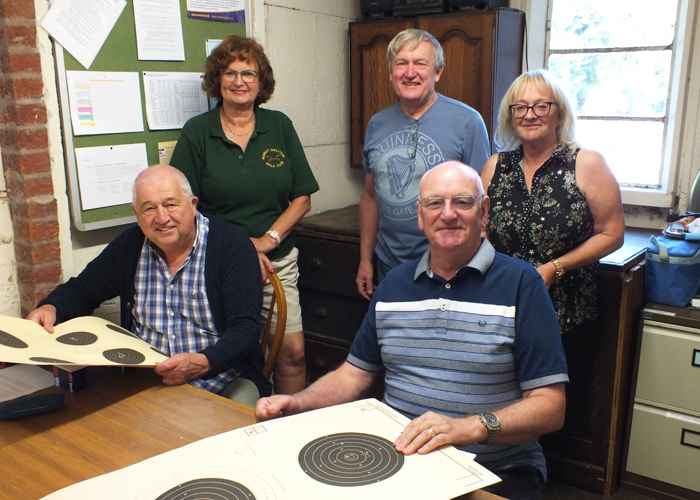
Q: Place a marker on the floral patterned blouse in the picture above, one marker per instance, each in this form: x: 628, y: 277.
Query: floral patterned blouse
x: 545, y: 224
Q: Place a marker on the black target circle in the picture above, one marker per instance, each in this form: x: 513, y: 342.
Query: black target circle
x: 52, y: 361
x: 121, y: 330
x: 124, y: 356
x: 208, y: 489
x: 77, y: 338
x: 350, y: 459
x: 11, y: 341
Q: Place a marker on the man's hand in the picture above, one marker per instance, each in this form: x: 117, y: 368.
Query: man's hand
x: 275, y: 407
x: 432, y: 430
x: 183, y: 368
x: 365, y: 277
x: 45, y: 316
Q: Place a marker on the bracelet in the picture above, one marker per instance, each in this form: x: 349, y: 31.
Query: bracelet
x: 560, y: 269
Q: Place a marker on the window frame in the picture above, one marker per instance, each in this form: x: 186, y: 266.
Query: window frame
x: 678, y: 111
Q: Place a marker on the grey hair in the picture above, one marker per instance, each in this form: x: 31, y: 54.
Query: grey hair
x: 165, y: 169
x: 505, y: 137
x: 411, y: 38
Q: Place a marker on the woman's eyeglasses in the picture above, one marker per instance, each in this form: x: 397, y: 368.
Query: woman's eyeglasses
x: 539, y: 108
x: 248, y: 76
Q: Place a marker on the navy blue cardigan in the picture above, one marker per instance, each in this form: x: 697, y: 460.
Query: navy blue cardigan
x: 234, y: 291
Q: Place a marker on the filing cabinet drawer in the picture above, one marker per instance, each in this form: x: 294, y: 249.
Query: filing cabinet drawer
x: 332, y: 315
x: 669, y: 367
x: 322, y: 358
x: 665, y: 446
x: 328, y: 265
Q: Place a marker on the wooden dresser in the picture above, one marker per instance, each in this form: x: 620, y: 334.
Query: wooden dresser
x: 588, y: 451
x: 331, y: 308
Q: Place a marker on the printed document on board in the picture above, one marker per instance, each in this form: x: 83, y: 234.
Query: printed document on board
x: 104, y: 102
x: 173, y: 98
x: 82, y: 27
x: 106, y: 174
x: 159, y: 30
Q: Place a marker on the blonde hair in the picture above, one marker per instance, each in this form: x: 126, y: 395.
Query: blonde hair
x: 505, y: 137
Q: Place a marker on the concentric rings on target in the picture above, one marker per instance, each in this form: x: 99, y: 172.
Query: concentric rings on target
x: 77, y: 338
x: 124, y: 356
x: 350, y: 459
x: 208, y: 489
x: 11, y: 341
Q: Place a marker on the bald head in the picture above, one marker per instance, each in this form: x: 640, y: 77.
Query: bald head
x: 160, y: 172
x: 446, y: 172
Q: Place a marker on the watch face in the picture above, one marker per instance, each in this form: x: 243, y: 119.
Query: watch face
x: 490, y: 419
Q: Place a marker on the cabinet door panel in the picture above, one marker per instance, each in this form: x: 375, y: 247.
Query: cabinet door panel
x: 468, y: 48
x: 371, y: 90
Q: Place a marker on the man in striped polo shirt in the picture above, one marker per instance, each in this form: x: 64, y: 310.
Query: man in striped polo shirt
x: 466, y: 341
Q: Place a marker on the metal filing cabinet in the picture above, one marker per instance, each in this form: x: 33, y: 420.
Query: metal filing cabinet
x: 663, y: 456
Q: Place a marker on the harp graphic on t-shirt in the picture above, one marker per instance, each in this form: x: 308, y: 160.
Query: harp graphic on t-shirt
x: 401, y: 170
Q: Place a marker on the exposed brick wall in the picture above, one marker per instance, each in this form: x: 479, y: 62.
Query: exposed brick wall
x: 25, y: 154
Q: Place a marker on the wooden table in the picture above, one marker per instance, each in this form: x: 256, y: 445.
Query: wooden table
x: 120, y: 419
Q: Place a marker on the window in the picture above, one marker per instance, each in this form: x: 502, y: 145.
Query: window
x: 620, y: 62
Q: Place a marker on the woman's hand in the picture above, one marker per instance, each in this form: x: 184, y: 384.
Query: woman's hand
x: 263, y: 245
x: 548, y: 271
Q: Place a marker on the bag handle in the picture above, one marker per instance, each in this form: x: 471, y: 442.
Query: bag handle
x: 663, y: 250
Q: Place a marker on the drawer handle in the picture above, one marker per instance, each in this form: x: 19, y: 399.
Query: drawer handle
x: 696, y: 357
x: 319, y: 363
x: 690, y: 438
x: 321, y: 312
x: 317, y: 263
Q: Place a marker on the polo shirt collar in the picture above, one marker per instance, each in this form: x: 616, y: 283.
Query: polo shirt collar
x: 481, y: 261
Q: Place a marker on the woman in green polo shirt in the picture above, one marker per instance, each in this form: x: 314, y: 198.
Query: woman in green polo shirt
x: 247, y: 166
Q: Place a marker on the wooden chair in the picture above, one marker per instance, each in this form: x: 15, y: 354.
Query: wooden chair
x: 271, y: 345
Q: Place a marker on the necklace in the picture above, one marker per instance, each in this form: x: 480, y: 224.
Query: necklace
x: 225, y: 122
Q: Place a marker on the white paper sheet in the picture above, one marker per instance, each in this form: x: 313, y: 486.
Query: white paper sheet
x: 20, y: 380
x: 173, y: 98
x: 106, y: 174
x: 159, y: 30
x: 82, y: 26
x: 104, y: 102
x: 303, y: 456
x: 88, y: 340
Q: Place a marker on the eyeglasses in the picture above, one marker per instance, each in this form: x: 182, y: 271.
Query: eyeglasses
x: 248, y: 76
x: 414, y: 139
x: 462, y: 203
x: 539, y: 108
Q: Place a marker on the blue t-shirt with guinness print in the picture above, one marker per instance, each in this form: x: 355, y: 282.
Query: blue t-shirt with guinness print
x: 399, y: 150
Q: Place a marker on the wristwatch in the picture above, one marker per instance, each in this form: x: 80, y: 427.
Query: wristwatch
x: 559, y: 269
x: 491, y: 423
x: 275, y: 235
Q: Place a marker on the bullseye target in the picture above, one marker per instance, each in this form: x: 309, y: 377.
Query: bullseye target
x: 350, y: 459
x: 208, y: 489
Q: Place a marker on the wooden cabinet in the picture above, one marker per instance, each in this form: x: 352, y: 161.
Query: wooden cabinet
x: 587, y: 452
x: 483, y: 55
x: 332, y: 310
x: 663, y: 455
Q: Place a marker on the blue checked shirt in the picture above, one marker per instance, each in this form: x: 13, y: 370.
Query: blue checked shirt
x: 172, y: 312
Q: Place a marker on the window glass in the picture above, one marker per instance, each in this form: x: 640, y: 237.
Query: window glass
x: 612, y: 23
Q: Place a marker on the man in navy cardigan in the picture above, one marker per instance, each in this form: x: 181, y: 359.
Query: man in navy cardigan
x: 188, y: 285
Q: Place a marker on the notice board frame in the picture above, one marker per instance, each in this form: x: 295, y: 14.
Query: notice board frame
x: 119, y: 53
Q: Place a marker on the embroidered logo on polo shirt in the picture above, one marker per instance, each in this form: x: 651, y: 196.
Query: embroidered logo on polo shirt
x: 273, y: 158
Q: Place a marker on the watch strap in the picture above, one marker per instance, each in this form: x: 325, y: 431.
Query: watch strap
x: 492, y: 424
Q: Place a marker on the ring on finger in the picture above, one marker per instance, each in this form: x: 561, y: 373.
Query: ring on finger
x: 432, y: 432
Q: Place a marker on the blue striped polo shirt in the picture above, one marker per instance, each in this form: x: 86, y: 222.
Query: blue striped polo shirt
x: 464, y: 346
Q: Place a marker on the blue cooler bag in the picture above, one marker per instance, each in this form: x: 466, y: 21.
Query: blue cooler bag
x: 672, y: 271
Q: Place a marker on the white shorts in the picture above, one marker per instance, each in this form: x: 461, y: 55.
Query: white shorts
x: 287, y: 270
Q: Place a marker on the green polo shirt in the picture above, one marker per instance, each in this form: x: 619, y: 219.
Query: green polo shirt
x: 250, y: 188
